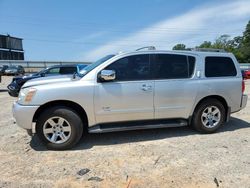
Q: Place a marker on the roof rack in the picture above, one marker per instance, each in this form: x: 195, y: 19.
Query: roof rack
x: 208, y: 50
x: 146, y: 47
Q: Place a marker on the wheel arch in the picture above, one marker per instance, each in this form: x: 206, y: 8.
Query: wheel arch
x: 219, y: 98
x: 66, y: 103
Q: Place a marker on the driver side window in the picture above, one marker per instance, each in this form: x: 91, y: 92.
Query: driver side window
x: 131, y: 68
x: 53, y: 71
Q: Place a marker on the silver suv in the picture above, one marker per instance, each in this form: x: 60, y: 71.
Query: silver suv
x: 137, y: 90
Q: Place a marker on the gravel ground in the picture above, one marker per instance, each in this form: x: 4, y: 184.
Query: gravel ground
x: 174, y: 157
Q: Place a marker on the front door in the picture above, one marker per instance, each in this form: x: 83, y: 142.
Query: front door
x: 130, y: 96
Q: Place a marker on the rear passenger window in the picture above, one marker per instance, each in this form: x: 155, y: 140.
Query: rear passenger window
x: 170, y: 66
x: 219, y: 67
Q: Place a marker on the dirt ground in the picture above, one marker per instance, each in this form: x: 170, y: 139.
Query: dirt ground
x: 174, y: 157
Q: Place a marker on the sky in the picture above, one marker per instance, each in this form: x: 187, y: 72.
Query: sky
x: 87, y: 30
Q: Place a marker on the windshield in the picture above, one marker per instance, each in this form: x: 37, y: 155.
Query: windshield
x: 13, y: 67
x: 90, y: 67
x: 40, y: 72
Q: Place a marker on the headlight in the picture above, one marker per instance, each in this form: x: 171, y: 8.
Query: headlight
x: 26, y: 95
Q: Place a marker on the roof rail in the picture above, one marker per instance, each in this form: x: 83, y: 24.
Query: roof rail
x: 208, y: 50
x: 146, y: 47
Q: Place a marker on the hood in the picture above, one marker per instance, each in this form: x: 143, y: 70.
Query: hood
x: 48, y: 80
x: 26, y: 77
x: 22, y: 79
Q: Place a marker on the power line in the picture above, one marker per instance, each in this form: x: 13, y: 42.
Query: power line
x: 89, y: 23
x: 167, y: 31
x: 72, y: 42
x: 170, y: 30
x: 121, y: 42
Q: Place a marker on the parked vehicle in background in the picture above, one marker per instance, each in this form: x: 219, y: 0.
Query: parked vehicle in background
x: 17, y: 82
x: 246, y: 73
x: 243, y: 74
x: 3, y: 68
x: 14, y: 70
x: 137, y: 90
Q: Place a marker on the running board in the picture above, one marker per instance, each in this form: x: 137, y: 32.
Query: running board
x: 126, y: 126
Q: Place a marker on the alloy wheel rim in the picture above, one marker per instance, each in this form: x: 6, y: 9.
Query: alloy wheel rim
x: 211, y: 116
x: 57, y: 130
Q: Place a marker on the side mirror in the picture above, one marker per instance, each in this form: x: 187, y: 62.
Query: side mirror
x: 107, y: 75
x: 75, y: 75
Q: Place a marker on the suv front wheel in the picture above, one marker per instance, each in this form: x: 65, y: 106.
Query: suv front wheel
x: 59, y: 128
x: 208, y: 116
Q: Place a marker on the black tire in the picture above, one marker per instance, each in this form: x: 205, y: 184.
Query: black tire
x: 71, y: 117
x: 197, y: 115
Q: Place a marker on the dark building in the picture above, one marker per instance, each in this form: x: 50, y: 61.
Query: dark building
x: 11, y: 48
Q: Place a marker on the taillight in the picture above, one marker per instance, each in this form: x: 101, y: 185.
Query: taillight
x: 243, y: 86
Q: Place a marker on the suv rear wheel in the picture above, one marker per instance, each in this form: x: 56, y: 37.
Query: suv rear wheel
x: 59, y: 128
x: 208, y: 116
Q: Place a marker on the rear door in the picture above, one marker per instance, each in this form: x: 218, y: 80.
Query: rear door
x: 175, y: 86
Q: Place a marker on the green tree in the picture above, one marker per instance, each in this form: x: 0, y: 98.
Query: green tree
x: 222, y: 42
x: 245, y: 48
x: 234, y: 46
x: 205, y: 44
x: 230, y: 45
x: 179, y: 47
x: 239, y: 46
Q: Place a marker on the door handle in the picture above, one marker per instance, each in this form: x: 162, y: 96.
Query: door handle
x: 146, y: 87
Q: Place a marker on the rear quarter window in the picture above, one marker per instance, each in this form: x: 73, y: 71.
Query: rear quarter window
x: 219, y: 67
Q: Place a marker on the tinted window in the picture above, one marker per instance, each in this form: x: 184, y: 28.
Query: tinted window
x: 90, y: 67
x: 67, y: 70
x: 170, y: 66
x: 219, y: 67
x: 131, y: 68
x: 53, y: 71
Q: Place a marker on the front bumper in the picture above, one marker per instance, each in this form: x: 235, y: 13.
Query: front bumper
x: 243, y: 101
x: 24, y: 115
x: 13, y: 93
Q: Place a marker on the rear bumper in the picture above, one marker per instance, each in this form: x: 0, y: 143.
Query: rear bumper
x: 243, y: 101
x: 24, y: 115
